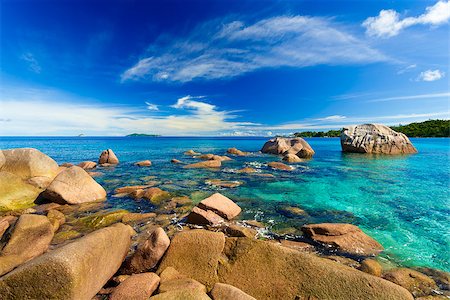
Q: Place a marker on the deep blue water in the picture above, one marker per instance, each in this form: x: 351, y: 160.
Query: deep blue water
x: 401, y: 201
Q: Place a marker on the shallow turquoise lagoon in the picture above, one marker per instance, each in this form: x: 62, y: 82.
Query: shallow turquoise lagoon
x: 401, y: 201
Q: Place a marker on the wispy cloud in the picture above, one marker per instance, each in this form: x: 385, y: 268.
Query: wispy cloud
x: 389, y: 23
x: 412, y: 97
x: 214, y: 51
x: 33, y: 64
x: 151, y: 106
x: 431, y: 75
x: 407, y: 69
x: 332, y: 118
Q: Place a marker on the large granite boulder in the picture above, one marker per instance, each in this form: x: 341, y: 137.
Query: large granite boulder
x: 74, y: 186
x: 77, y: 270
x: 266, y: 270
x: 28, y: 162
x: 375, y: 138
x: 345, y: 238
x: 108, y: 157
x: 417, y: 283
x: 297, y: 146
x: 30, y: 237
x: 16, y: 193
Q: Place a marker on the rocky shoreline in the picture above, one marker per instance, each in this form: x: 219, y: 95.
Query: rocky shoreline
x: 60, y: 241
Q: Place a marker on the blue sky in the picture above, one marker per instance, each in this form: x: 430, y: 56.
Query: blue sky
x: 220, y: 67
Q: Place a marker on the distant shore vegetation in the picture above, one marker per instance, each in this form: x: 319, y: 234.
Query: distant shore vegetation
x: 143, y: 134
x: 430, y: 128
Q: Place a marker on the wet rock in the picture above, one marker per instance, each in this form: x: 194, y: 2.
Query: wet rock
x: 299, y: 246
x: 95, y: 174
x: 221, y: 158
x: 148, y: 253
x: 175, y: 161
x: 136, y: 287
x: 199, y: 216
x: 56, y: 218
x: 194, y: 248
x: 375, y: 138
x: 156, y: 195
x: 15, y: 192
x: 108, y: 157
x: 28, y: 162
x: 284, y: 146
x: 222, y: 291
x: 254, y: 223
x: 206, y: 156
x: 237, y: 152
x: 30, y: 237
x: 130, y: 189
x: 144, y: 163
x: 62, y: 236
x: 417, y: 283
x: 204, y: 164
x: 223, y: 183
x: 81, y: 268
x: 291, y: 211
x: 440, y: 277
x: 291, y: 158
x: 191, y: 153
x: 246, y: 170
x: 280, y: 166
x: 221, y: 205
x: 134, y: 217
x: 42, y: 208
x: 87, y: 165
x: 101, y: 219
x: 73, y: 186
x: 240, y: 231
x: 346, y: 238
x: 372, y: 267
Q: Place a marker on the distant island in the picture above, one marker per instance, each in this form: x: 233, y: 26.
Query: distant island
x: 143, y: 134
x: 430, y: 128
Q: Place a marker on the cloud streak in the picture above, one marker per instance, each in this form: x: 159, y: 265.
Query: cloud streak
x: 388, y: 23
x: 214, y: 51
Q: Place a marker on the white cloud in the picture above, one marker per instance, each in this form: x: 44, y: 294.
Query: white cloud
x: 33, y: 64
x: 413, y: 97
x: 389, y: 23
x: 151, y: 106
x: 215, y: 51
x: 431, y: 75
x: 332, y: 118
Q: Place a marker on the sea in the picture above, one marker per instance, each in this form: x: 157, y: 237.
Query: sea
x: 401, y: 201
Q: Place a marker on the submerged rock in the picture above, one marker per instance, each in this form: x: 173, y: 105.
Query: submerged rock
x: 136, y: 287
x: 144, y: 163
x: 108, y: 157
x: 284, y: 146
x: 77, y: 270
x: 223, y: 183
x: 155, y: 195
x: 346, y: 238
x: 30, y: 237
x: 375, y: 138
x: 205, y: 164
x: 417, y: 283
x: 246, y: 170
x: 237, y: 152
x: 175, y: 161
x: 74, y: 186
x: 280, y: 166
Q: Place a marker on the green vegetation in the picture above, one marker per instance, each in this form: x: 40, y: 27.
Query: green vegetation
x: 143, y: 134
x: 329, y: 133
x: 430, y: 128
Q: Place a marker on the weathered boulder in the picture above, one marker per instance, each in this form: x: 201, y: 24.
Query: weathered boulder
x: 417, y: 283
x: 77, y: 270
x: 136, y: 287
x: 205, y: 164
x: 371, y: 266
x: 197, y: 254
x: 143, y: 163
x: 291, y: 158
x: 16, y: 193
x: 250, y: 264
x: 30, y: 237
x: 346, y: 238
x: 222, y: 291
x: 87, y: 165
x: 221, y: 205
x: 237, y: 152
x: 74, y: 186
x: 297, y: 146
x: 148, y: 253
x: 199, y: 216
x: 375, y: 138
x: 280, y: 166
x: 29, y: 162
x: 108, y: 157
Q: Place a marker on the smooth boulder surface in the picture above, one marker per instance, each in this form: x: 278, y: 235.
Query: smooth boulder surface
x: 16, y: 193
x: 30, y: 237
x: 265, y: 270
x: 77, y: 270
x: 375, y: 138
x: 222, y: 291
x: 108, y: 157
x: 136, y: 287
x: 221, y: 205
x: 417, y: 283
x: 28, y: 162
x: 205, y: 164
x: 296, y: 146
x: 236, y: 152
x: 87, y: 165
x: 200, y: 216
x: 280, y: 166
x: 149, y: 252
x: 73, y: 186
x: 346, y: 238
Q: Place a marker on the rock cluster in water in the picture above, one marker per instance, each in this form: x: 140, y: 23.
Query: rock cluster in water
x: 288, y: 147
x: 70, y: 246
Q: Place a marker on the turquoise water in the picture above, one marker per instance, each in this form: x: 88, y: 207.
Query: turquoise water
x: 401, y: 201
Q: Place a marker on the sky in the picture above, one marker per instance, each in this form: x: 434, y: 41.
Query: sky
x: 214, y: 68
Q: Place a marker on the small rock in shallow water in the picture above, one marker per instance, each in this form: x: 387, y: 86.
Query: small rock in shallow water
x: 191, y: 153
x: 221, y: 205
x: 223, y: 183
x: 237, y: 152
x: 144, y: 163
x: 108, y: 157
x: 205, y: 164
x: 175, y: 161
x: 87, y: 165
x: 297, y: 146
x: 246, y: 170
x: 280, y: 166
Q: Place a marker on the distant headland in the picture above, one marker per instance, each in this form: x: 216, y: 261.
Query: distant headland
x: 143, y: 134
